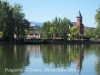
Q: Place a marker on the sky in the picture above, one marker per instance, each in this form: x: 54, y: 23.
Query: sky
x: 47, y: 10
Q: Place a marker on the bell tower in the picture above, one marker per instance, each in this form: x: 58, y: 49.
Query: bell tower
x: 80, y: 24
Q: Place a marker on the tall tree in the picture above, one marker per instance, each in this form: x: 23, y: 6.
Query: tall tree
x: 6, y: 20
x: 64, y: 28
x: 97, y: 19
x: 56, y: 23
x: 46, y: 29
x: 74, y: 32
x: 12, y: 20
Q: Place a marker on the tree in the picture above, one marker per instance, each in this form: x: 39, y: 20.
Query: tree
x: 87, y: 33
x: 97, y: 32
x: 6, y: 20
x: 56, y: 23
x: 74, y: 32
x: 52, y: 31
x: 12, y: 21
x: 19, y: 21
x: 64, y: 28
x: 46, y: 29
x: 97, y: 19
x: 58, y: 28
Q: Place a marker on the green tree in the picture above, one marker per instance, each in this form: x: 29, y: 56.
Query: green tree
x: 52, y: 31
x: 57, y: 28
x: 6, y: 20
x: 87, y: 33
x: 46, y: 29
x: 56, y: 23
x: 74, y: 32
x: 12, y: 21
x: 97, y: 19
x: 64, y: 28
x: 98, y: 32
x: 20, y: 23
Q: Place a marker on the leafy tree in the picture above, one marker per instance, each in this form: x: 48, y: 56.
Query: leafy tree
x: 64, y: 28
x: 97, y: 32
x: 46, y: 29
x: 6, y: 20
x: 87, y: 33
x: 19, y: 22
x: 56, y: 23
x: 12, y: 21
x: 97, y: 19
x: 58, y: 27
x: 74, y: 32
x: 52, y: 31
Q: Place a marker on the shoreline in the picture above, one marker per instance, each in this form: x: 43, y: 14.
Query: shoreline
x: 51, y: 42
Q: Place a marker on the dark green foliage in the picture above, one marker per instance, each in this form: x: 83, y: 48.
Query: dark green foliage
x: 12, y: 21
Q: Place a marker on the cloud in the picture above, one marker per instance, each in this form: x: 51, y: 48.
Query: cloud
x: 59, y: 15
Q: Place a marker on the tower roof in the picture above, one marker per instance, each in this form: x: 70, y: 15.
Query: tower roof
x: 79, y: 15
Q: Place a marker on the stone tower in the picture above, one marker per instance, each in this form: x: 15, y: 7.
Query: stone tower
x: 80, y: 24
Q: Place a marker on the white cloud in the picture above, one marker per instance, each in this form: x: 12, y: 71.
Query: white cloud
x: 59, y: 15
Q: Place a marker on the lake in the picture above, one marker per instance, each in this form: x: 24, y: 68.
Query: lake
x: 50, y: 59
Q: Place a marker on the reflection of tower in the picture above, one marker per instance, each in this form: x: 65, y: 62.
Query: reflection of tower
x: 15, y: 52
x: 80, y: 59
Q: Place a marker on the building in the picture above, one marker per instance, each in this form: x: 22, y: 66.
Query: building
x: 79, y: 24
x: 35, y: 35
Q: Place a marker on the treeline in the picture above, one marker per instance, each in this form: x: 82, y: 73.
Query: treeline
x: 63, y: 28
x: 12, y: 21
x: 58, y: 27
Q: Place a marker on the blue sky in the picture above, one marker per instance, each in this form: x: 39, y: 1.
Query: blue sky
x: 44, y: 10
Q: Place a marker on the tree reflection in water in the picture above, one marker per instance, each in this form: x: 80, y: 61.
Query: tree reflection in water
x: 63, y: 55
x: 59, y: 56
x: 13, y: 57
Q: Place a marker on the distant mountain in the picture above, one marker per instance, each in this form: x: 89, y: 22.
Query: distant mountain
x: 36, y: 23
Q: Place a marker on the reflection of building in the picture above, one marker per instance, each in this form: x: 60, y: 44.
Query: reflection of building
x: 80, y: 59
x: 34, y: 50
x: 34, y: 47
x: 76, y: 54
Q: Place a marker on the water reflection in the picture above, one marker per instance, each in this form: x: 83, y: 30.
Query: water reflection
x: 65, y: 55
x: 34, y: 51
x: 56, y: 56
x: 13, y: 57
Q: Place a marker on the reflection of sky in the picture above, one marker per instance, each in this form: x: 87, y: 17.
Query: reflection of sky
x: 36, y: 62
x: 89, y: 65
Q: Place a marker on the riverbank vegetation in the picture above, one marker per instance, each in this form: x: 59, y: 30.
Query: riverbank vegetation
x: 12, y: 21
x: 60, y: 28
x: 14, y: 24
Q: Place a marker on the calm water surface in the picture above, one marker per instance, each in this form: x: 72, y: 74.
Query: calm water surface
x: 49, y: 59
